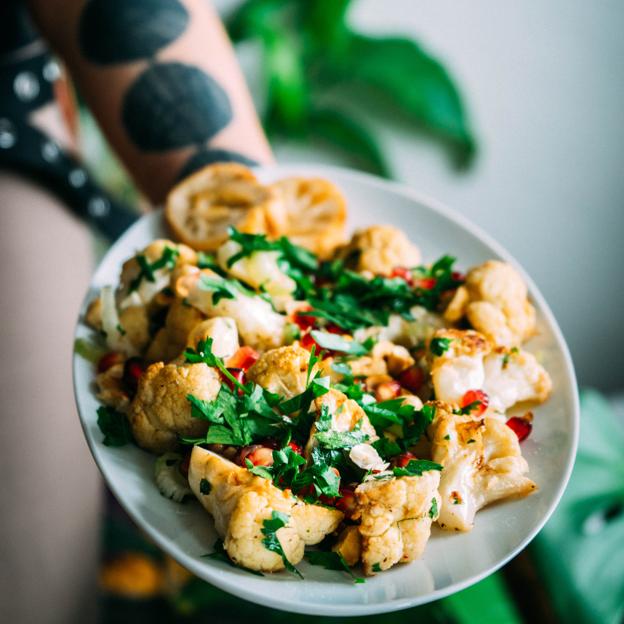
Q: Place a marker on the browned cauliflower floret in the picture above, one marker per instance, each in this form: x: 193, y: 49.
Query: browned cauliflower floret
x: 395, y: 518
x: 160, y: 410
x: 508, y: 376
x: 494, y: 299
x: 379, y: 249
x: 136, y: 287
x: 514, y: 376
x: 459, y: 368
x: 385, y: 358
x: 240, y: 502
x: 346, y: 415
x: 481, y: 464
x: 283, y: 370
x: 111, y: 389
x: 258, y: 324
x: 134, y: 321
x: 223, y: 332
x: 349, y: 545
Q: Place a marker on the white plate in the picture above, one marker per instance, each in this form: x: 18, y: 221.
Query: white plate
x: 451, y: 561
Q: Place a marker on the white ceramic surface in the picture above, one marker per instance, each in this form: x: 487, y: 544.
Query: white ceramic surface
x: 451, y: 561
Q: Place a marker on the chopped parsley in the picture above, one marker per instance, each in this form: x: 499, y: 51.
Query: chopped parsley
x: 335, y: 342
x: 415, y: 468
x: 114, y: 426
x: 439, y: 346
x: 507, y: 356
x: 167, y: 260
x: 205, y: 487
x: 433, y: 510
x: 376, y: 567
x: 270, y: 527
x: 220, y: 287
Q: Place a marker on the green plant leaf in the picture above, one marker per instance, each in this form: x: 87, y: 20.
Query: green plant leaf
x: 347, y: 135
x: 399, y: 69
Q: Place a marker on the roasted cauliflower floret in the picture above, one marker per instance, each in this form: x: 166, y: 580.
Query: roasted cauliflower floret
x: 395, y: 518
x: 240, y: 502
x: 514, y: 376
x: 385, y: 358
x: 508, y: 376
x: 408, y: 333
x: 160, y: 411
x: 110, y: 388
x: 482, y: 464
x: 460, y: 367
x: 142, y: 276
x: 349, y: 545
x: 283, y: 370
x: 260, y: 269
x: 346, y: 415
x: 223, y: 332
x: 379, y: 249
x: 258, y: 324
x: 494, y: 299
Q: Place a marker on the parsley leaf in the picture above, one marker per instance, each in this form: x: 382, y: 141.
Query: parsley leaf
x: 168, y: 259
x: 433, y: 510
x: 415, y: 468
x: 340, y: 439
x: 439, y: 346
x: 331, y: 561
x: 204, y: 354
x: 270, y: 527
x: 220, y: 287
x: 114, y: 426
x: 335, y: 342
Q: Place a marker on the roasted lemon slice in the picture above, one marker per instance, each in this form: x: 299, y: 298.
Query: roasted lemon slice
x: 314, y: 214
x: 200, y: 209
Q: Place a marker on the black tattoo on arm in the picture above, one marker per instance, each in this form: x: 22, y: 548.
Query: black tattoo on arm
x: 174, y: 105
x: 170, y: 105
x: 118, y: 31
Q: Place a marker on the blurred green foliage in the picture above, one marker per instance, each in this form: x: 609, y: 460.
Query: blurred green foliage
x: 322, y: 77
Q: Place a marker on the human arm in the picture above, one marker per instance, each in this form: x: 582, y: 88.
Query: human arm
x: 162, y: 80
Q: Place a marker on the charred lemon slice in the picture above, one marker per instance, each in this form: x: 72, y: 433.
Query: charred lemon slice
x: 314, y: 214
x: 200, y: 209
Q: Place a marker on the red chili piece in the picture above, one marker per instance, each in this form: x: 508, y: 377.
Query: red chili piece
x: 476, y: 396
x: 400, y: 461
x: 403, y: 273
x: 521, y: 427
x: 244, y: 358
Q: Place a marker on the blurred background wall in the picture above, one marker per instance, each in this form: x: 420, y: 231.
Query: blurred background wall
x: 543, y: 85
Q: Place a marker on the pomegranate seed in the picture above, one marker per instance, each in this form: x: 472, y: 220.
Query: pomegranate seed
x: 334, y: 329
x: 387, y: 390
x: 303, y: 320
x: 347, y: 503
x: 403, y: 459
x: 307, y: 342
x: 458, y: 277
x: 520, y: 426
x: 412, y: 378
x: 328, y: 500
x: 403, y: 273
x: 133, y: 369
x: 108, y: 360
x: 244, y: 358
x: 296, y: 447
x: 476, y: 396
x: 257, y: 454
x: 426, y: 283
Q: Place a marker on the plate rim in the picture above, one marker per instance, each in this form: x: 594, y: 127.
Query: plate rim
x: 214, y: 577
